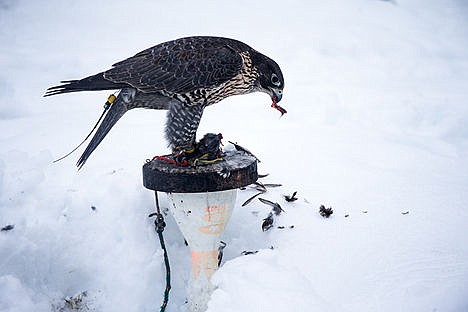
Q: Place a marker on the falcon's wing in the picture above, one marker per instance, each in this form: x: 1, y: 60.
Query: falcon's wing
x: 178, y: 66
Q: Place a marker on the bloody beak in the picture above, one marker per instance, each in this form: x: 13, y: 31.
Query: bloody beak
x: 277, y: 95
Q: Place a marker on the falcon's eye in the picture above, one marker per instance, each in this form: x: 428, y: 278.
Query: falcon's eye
x: 275, y: 80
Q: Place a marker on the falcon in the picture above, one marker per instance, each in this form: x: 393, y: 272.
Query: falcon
x: 182, y: 76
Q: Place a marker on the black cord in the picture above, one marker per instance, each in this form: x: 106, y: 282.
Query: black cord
x: 159, y: 225
x: 106, y: 108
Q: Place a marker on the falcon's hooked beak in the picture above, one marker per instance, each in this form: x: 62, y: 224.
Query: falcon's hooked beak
x: 276, y: 96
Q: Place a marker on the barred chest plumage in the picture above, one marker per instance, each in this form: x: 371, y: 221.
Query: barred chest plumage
x: 242, y: 83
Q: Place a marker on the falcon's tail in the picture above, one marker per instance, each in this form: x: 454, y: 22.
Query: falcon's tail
x: 117, y: 110
x: 91, y: 83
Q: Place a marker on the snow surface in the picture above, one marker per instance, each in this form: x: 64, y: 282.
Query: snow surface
x: 377, y: 126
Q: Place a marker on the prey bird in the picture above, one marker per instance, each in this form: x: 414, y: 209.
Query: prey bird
x: 182, y: 76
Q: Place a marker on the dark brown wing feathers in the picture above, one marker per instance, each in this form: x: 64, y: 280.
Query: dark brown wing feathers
x: 173, y: 67
x: 180, y: 66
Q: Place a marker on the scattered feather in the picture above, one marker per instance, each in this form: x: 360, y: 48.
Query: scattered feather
x: 290, y: 198
x: 245, y: 252
x: 76, y: 303
x: 243, y: 149
x: 259, y: 187
x: 251, y: 198
x: 325, y: 212
x: 221, y: 247
x: 262, y: 186
x: 267, y: 223
x: 272, y: 185
x: 8, y: 227
x: 275, y: 206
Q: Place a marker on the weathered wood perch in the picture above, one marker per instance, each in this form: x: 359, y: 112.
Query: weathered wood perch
x: 236, y: 170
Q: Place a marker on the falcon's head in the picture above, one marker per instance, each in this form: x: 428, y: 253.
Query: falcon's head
x: 270, y: 79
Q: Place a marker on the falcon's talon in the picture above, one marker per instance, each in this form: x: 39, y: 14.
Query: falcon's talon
x: 182, y: 76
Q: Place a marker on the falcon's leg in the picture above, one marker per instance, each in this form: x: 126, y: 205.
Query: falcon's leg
x: 182, y: 124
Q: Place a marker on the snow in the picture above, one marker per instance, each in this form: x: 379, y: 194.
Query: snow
x: 376, y: 127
